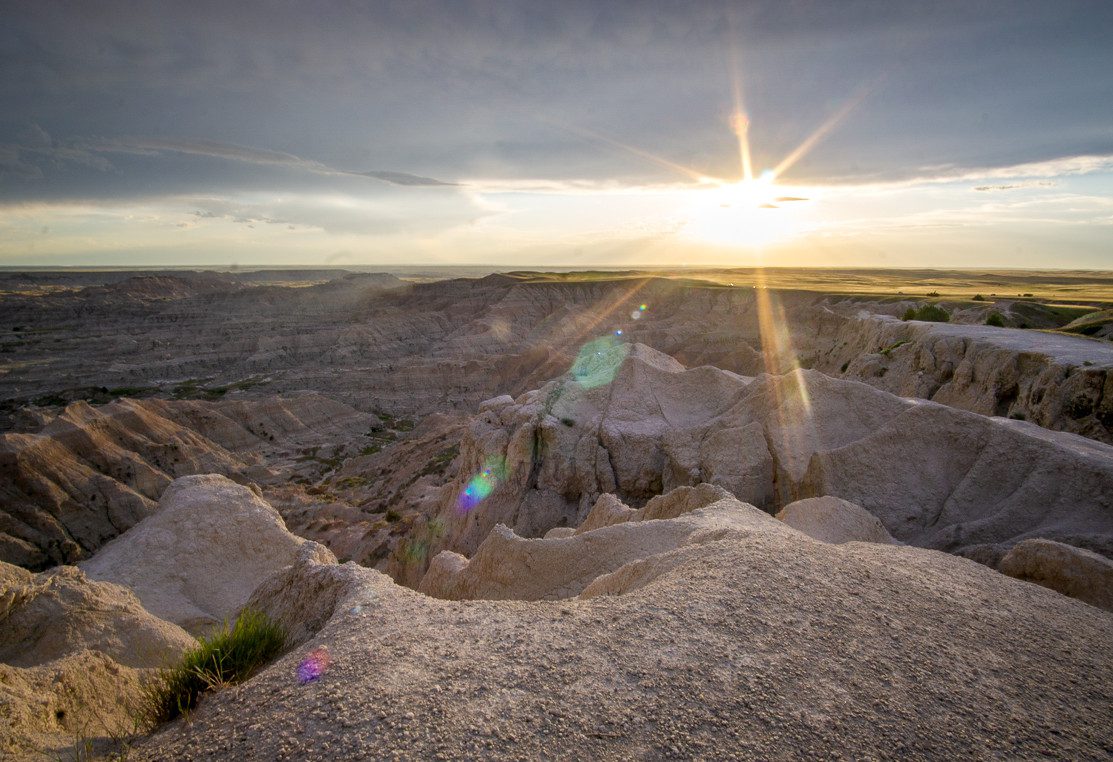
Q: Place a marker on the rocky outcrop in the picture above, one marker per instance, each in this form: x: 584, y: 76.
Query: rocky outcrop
x: 933, y: 475
x: 1059, y: 382
x: 556, y: 450
x: 75, y: 705
x: 754, y: 635
x: 48, y: 615
x: 508, y: 567
x: 830, y: 519
x: 73, y: 653
x: 1072, y: 571
x: 197, y: 560
x: 90, y: 473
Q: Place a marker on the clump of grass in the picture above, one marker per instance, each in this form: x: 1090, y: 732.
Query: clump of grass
x: 929, y: 313
x: 889, y: 349
x: 229, y: 656
x: 995, y: 319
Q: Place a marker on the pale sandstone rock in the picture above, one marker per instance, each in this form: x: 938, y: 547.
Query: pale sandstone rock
x: 933, y: 475
x: 507, y: 566
x: 72, y: 655
x: 1076, y: 572
x: 1057, y: 381
x: 557, y: 533
x: 622, y: 438
x: 607, y: 510
x: 55, y: 613
x: 92, y: 472
x: 754, y: 615
x: 197, y: 560
x: 51, y: 710
x: 831, y: 519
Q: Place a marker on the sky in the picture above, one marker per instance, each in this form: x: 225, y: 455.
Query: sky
x: 604, y: 133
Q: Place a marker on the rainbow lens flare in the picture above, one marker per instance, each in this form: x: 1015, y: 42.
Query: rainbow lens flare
x: 598, y: 361
x: 481, y: 485
x: 314, y: 665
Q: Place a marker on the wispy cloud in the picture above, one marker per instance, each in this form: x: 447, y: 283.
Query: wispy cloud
x: 250, y: 155
x: 33, y: 157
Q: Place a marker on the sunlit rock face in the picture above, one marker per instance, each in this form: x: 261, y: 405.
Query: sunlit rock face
x: 86, y: 475
x: 564, y: 445
x: 509, y: 567
x: 831, y: 519
x: 74, y: 655
x: 722, y: 602
x: 1076, y: 572
x: 934, y: 476
x: 200, y: 556
x: 1058, y: 382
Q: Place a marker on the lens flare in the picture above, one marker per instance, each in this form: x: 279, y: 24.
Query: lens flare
x: 599, y: 360
x: 480, y: 486
x: 313, y: 666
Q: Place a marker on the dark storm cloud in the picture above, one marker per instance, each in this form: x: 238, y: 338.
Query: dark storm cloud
x: 232, y: 95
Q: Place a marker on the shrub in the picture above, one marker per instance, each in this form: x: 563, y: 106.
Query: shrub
x: 929, y: 313
x: 979, y: 298
x: 228, y: 656
x: 995, y: 319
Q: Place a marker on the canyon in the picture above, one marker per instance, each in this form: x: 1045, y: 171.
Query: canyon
x: 393, y: 468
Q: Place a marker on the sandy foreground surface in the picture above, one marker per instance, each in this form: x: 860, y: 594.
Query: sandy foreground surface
x: 750, y: 642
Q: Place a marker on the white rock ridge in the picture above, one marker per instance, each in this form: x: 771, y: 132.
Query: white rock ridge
x: 199, y: 557
x: 738, y: 638
x: 1079, y: 573
x: 507, y: 566
x: 831, y: 519
x: 934, y: 476
x: 72, y: 653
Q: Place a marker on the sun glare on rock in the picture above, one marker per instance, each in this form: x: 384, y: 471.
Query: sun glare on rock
x: 598, y: 361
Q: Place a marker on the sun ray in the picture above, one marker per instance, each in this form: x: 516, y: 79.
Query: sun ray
x: 688, y: 172
x: 811, y: 141
x: 739, y: 122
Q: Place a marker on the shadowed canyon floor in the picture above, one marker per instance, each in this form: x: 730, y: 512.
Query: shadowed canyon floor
x: 595, y: 515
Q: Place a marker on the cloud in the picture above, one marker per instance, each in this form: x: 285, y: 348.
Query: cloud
x: 1015, y: 186
x: 38, y: 153
x: 247, y: 154
x: 401, y: 178
x: 463, y: 88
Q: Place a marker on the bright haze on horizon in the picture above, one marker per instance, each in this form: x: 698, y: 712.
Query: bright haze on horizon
x: 950, y: 134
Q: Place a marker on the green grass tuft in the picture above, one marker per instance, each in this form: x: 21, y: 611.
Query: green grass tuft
x: 929, y: 313
x: 231, y: 655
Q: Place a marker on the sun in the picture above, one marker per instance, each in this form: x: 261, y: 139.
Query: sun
x: 749, y: 213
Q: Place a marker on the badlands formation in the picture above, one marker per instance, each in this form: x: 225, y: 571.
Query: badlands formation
x: 547, y: 516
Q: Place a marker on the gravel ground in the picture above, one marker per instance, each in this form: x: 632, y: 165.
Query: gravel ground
x: 764, y: 645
